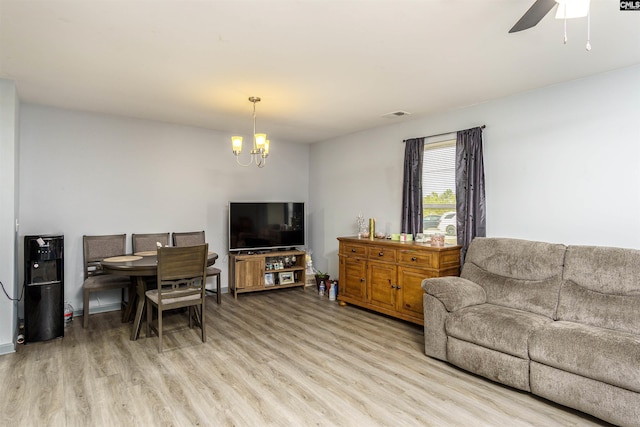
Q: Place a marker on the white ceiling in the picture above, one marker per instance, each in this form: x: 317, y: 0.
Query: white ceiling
x: 322, y: 68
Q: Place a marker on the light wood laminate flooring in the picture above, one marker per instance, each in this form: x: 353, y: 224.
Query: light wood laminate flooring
x: 279, y: 358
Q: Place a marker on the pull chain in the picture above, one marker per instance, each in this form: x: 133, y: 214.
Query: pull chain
x: 588, y: 47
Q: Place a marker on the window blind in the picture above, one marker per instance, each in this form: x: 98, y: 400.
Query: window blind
x: 439, y: 172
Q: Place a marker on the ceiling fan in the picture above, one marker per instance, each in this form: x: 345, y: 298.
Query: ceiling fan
x: 567, y: 9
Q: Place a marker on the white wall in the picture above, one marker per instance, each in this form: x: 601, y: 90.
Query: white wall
x: 562, y: 164
x: 8, y: 213
x: 84, y: 173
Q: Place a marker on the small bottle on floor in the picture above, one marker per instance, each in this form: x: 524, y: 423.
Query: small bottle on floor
x: 332, y: 292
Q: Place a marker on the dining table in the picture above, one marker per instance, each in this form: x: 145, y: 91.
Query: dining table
x: 139, y: 266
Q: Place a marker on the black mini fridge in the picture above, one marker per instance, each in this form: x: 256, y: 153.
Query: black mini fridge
x: 44, y: 283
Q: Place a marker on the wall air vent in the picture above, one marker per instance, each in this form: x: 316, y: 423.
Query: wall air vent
x: 396, y: 114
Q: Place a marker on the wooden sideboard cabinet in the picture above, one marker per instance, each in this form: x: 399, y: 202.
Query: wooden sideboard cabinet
x: 260, y: 271
x: 386, y: 276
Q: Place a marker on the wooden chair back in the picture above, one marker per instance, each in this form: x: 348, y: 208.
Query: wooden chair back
x: 190, y: 238
x: 182, y: 274
x: 148, y: 242
x: 97, y: 248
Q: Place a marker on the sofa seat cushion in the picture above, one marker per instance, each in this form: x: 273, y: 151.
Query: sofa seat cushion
x: 601, y: 354
x: 496, y: 327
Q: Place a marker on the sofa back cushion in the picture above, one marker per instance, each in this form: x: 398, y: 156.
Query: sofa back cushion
x: 602, y: 288
x: 514, y: 273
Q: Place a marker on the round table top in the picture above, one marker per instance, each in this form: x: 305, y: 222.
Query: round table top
x: 139, y: 265
x: 146, y: 253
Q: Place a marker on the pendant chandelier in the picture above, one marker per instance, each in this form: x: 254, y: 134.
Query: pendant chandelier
x: 260, y: 150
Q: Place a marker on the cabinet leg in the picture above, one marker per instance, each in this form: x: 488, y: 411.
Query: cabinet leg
x: 342, y: 304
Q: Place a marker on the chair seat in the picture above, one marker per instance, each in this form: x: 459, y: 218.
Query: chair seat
x: 153, y: 296
x: 107, y: 281
x: 213, y: 271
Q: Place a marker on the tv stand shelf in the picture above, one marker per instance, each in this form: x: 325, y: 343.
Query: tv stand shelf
x: 266, y: 271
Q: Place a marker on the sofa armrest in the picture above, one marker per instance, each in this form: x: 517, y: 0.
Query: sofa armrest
x: 443, y: 295
x: 454, y: 292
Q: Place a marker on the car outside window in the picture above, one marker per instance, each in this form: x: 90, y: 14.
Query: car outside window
x: 439, y: 188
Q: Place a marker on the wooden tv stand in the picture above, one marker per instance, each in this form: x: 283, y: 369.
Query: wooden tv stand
x: 260, y: 271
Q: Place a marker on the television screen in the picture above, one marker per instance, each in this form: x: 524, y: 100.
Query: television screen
x: 266, y: 225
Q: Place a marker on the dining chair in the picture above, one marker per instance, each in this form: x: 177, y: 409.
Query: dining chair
x: 95, y: 249
x: 191, y: 238
x: 182, y: 275
x: 148, y: 242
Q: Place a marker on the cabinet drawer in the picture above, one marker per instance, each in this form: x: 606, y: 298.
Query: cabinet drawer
x: 380, y: 253
x: 353, y: 250
x: 421, y: 259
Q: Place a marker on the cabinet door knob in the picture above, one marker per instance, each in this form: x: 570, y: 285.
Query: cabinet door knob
x: 353, y: 250
x: 381, y: 254
x: 393, y: 286
x: 398, y: 287
x: 362, y: 279
x: 414, y: 259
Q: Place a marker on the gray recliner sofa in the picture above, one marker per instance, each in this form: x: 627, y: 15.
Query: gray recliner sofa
x: 560, y: 322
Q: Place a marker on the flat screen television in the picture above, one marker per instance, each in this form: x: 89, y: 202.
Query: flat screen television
x: 259, y: 226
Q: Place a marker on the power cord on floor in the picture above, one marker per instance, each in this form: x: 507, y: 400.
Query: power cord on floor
x: 12, y: 299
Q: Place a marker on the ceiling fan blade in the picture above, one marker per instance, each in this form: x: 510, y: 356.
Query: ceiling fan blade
x: 534, y: 15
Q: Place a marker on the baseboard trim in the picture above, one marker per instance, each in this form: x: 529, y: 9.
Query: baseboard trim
x: 100, y: 309
x: 7, y: 348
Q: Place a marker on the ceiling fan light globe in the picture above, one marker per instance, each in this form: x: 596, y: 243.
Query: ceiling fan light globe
x: 569, y: 9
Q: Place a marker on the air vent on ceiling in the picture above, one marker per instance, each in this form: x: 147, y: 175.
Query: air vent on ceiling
x: 396, y: 114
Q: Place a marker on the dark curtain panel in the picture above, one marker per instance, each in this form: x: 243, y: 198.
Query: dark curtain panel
x: 470, y: 199
x: 412, y: 186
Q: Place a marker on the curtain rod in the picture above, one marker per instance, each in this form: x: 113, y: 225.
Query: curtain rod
x: 444, y: 133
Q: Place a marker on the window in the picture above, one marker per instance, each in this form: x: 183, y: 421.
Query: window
x: 439, y: 187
